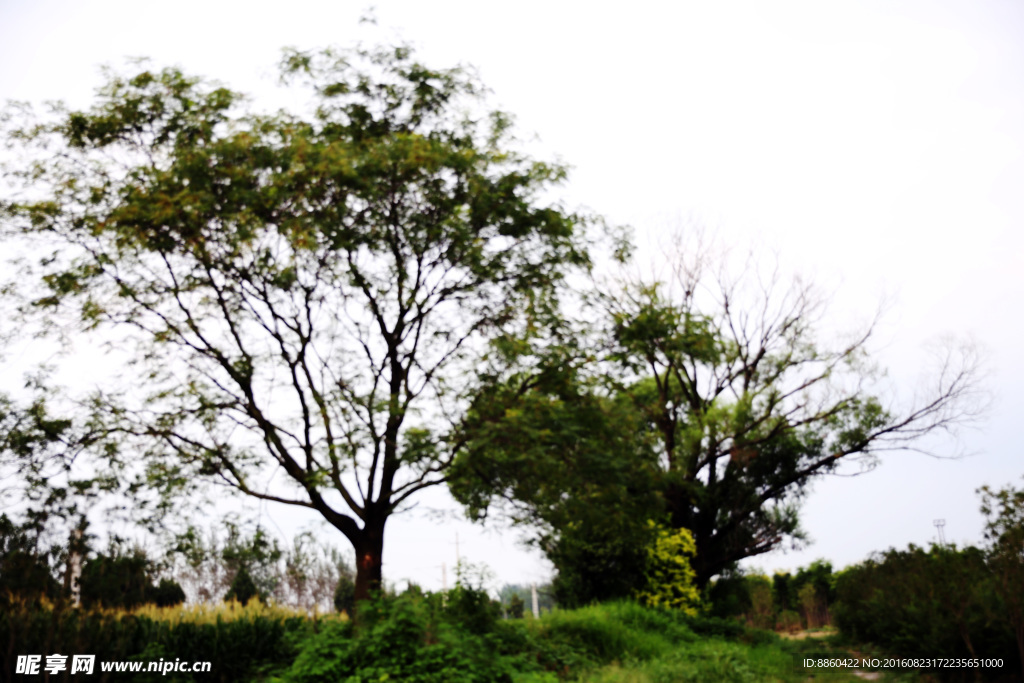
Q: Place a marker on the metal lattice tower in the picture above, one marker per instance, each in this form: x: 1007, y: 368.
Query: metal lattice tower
x: 939, y: 523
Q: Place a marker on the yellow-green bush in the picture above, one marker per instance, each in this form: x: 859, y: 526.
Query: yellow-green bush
x: 670, y: 579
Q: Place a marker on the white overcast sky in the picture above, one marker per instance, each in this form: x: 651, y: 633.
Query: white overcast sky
x: 878, y: 146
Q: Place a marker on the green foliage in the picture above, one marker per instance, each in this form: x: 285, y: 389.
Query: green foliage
x: 517, y: 592
x: 304, y: 292
x: 783, y: 591
x: 473, y: 609
x: 167, y: 593
x: 410, y: 637
x: 762, y: 611
x: 401, y: 638
x: 784, y: 601
x: 345, y: 595
x: 669, y: 577
x: 123, y: 580
x: 516, y: 607
x: 50, y: 479
x: 600, y: 641
x: 116, y: 579
x: 916, y: 600
x: 715, y: 396
x: 600, y: 634
x: 239, y: 648
x: 254, y: 558
x: 788, y: 621
x: 598, y: 564
x: 304, y: 575
x: 26, y: 572
x: 1004, y: 531
x: 727, y: 596
x: 243, y: 588
x: 819, y: 574
x: 565, y: 460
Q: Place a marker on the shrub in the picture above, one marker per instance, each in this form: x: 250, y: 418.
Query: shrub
x: 345, y: 595
x: 670, y: 579
x: 243, y: 588
x: 516, y: 607
x: 728, y: 596
x: 410, y: 638
x: 788, y: 621
x: 761, y: 614
x: 472, y: 609
x: 167, y: 593
x: 598, y: 563
x: 116, y: 580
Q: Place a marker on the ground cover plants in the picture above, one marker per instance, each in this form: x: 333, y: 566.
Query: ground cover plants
x: 426, y: 638
x: 240, y: 641
x: 416, y: 637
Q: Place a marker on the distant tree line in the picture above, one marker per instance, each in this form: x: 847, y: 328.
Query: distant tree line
x: 784, y: 601
x: 201, y: 566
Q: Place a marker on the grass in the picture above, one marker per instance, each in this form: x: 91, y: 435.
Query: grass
x: 224, y: 612
x: 625, y: 643
x: 412, y: 641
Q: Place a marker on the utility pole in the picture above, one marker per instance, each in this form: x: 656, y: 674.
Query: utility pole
x: 536, y: 602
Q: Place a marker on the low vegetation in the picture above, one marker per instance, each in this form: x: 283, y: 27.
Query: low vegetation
x: 241, y: 641
x: 415, y: 637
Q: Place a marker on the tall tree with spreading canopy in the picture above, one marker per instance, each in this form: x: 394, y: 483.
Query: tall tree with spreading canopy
x: 302, y: 294
x: 733, y: 387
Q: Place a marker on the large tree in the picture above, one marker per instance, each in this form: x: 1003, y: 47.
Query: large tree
x: 734, y: 383
x: 302, y: 295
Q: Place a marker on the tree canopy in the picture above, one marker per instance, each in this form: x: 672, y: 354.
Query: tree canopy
x: 302, y: 295
x: 727, y: 398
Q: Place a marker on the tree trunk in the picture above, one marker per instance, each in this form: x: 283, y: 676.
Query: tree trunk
x: 1019, y: 632
x: 369, y: 557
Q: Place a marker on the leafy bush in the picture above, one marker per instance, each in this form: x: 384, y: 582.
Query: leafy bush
x: 411, y: 638
x: 728, y: 596
x: 123, y: 580
x: 243, y: 588
x: 762, y: 609
x: 25, y: 572
x: 345, y: 595
x: 472, y: 609
x: 516, y: 607
x: 598, y: 562
x: 167, y: 593
x: 116, y: 579
x: 788, y: 621
x: 670, y: 579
